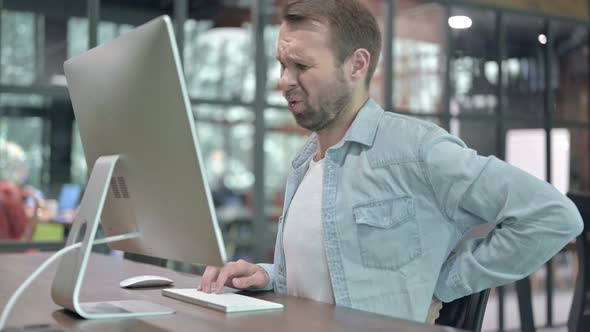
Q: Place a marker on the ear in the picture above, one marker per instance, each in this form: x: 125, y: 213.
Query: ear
x: 359, y: 64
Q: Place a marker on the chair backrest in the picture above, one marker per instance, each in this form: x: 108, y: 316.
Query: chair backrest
x: 579, y: 317
x: 465, y: 313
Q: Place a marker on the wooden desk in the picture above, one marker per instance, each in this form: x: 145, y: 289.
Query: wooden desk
x: 102, y: 283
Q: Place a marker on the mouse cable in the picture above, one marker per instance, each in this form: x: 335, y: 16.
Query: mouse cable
x: 47, y: 262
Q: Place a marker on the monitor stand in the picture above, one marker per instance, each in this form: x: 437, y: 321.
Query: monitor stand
x: 67, y: 283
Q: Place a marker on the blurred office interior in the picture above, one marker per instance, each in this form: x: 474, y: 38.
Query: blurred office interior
x: 509, y: 77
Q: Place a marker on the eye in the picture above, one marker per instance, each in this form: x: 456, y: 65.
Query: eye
x: 301, y: 67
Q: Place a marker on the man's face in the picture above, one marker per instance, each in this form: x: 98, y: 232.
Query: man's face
x: 312, y: 81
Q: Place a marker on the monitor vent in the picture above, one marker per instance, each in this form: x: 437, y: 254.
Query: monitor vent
x: 123, y: 186
x: 119, y: 187
x: 115, y: 188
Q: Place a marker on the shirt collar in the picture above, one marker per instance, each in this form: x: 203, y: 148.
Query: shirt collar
x: 362, y: 130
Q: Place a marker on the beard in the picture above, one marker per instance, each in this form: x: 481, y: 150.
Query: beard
x: 333, y: 101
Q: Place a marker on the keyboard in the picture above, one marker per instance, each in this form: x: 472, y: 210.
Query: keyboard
x: 225, y: 302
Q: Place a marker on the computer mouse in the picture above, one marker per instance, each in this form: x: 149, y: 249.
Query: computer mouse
x: 145, y: 281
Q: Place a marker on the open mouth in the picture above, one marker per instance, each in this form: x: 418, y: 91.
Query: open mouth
x: 295, y: 103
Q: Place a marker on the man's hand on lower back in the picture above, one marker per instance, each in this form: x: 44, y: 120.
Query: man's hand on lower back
x: 434, y: 310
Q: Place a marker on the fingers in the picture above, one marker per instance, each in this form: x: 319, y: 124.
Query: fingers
x: 230, y: 271
x: 240, y: 274
x: 439, y: 306
x: 224, y: 274
x: 209, y: 275
x: 257, y: 280
x: 434, y: 311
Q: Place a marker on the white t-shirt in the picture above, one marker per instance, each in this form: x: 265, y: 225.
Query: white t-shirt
x: 305, y: 257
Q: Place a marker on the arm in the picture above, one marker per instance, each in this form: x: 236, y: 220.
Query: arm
x: 537, y: 220
x: 14, y: 212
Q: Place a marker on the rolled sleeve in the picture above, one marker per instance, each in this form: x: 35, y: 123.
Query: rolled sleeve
x: 269, y: 268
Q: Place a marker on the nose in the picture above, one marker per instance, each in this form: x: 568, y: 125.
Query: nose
x: 288, y: 81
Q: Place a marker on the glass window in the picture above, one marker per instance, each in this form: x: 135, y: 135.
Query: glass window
x: 523, y: 66
x: 22, y: 100
x: 57, y: 45
x: 239, y: 142
x: 280, y: 119
x: 111, y: 30
x: 437, y: 120
x: 226, y: 139
x: 77, y: 36
x: 210, y: 140
x: 280, y: 148
x: 283, y: 139
x: 79, y: 170
x: 219, y: 53
x: 570, y: 70
x: 579, y: 178
x: 479, y: 135
x: 17, y: 60
x: 219, y: 113
x: 473, y: 64
x: 419, y: 56
x: 226, y: 135
x: 27, y: 134
x: 526, y: 149
x: 117, y: 18
x: 376, y: 89
x: 38, y: 38
x: 274, y: 95
x: 518, y: 125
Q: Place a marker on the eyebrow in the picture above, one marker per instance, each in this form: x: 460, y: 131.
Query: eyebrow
x: 294, y: 58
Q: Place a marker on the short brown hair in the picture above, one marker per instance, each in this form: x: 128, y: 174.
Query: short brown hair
x: 351, y: 25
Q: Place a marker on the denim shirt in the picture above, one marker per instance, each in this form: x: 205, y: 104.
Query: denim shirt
x: 398, y: 194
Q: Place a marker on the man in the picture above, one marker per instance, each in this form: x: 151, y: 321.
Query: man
x: 17, y: 220
x: 377, y: 201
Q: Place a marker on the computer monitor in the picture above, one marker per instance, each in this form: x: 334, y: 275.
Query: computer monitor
x: 137, y: 130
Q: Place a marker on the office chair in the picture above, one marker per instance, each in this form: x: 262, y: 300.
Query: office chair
x: 579, y: 317
x: 465, y: 313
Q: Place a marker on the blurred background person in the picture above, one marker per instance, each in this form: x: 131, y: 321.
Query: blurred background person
x: 19, y: 203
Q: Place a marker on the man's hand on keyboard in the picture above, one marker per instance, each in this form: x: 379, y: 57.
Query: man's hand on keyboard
x: 240, y: 274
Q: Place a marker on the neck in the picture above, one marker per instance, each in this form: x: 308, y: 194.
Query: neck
x: 328, y: 137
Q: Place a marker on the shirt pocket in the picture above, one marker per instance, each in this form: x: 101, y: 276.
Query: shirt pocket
x: 387, y: 232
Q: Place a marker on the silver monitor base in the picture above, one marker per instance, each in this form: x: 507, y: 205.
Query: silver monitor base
x: 68, y: 280
x: 134, y: 307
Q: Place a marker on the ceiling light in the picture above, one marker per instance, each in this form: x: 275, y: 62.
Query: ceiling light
x: 460, y: 22
x: 542, y: 39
